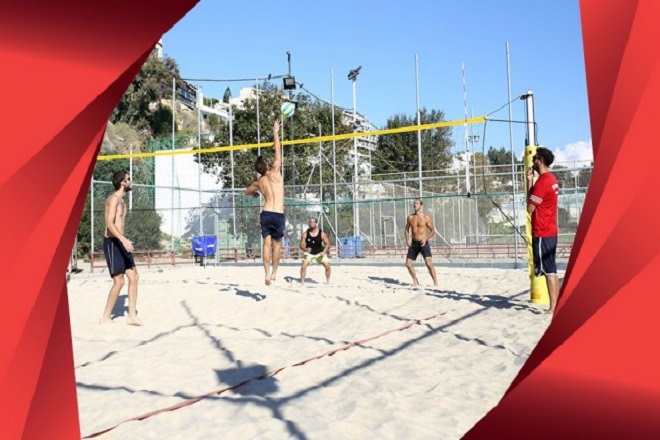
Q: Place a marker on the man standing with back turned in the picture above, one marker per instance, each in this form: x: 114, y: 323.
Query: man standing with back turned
x: 542, y: 205
x: 270, y: 183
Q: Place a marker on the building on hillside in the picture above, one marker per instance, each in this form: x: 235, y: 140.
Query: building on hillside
x: 365, y: 145
x: 158, y: 49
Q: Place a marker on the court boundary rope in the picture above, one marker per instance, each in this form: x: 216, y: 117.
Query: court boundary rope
x: 267, y: 374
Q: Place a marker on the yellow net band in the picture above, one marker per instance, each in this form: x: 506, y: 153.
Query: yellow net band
x: 337, y: 137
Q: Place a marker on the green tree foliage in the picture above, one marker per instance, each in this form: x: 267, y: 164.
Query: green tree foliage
x: 565, y: 177
x: 584, y: 176
x: 304, y: 124
x: 142, y: 224
x: 500, y: 156
x: 399, y: 152
x: 152, y: 83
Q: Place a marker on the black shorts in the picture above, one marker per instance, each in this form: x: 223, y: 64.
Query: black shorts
x: 117, y: 257
x: 415, y: 249
x: 544, y: 250
x: 273, y: 224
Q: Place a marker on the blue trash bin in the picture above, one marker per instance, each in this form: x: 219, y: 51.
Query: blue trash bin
x: 204, y: 246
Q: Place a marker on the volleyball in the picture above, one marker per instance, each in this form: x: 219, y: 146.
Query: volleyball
x: 288, y: 109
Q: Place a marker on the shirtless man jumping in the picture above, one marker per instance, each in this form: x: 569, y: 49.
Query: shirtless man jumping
x: 270, y: 183
x: 118, y: 250
x: 419, y: 223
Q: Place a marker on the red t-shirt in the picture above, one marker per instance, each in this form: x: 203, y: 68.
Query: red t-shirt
x: 544, y: 197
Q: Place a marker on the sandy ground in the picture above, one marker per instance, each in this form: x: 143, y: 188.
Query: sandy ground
x: 428, y: 362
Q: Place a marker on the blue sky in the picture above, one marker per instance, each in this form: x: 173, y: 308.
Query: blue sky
x: 227, y: 40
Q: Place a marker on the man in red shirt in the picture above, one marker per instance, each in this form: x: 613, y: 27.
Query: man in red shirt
x: 542, y: 194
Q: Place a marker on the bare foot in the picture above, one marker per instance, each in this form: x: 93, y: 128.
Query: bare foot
x: 549, y: 312
x: 267, y: 281
x: 105, y: 320
x: 133, y: 321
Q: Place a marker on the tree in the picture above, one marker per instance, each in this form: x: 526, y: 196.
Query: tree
x: 501, y: 156
x: 565, y: 178
x: 305, y: 124
x: 399, y: 152
x: 152, y: 83
x: 142, y: 221
x: 584, y: 176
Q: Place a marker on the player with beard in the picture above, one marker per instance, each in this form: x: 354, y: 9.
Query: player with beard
x: 315, y: 245
x: 118, y: 249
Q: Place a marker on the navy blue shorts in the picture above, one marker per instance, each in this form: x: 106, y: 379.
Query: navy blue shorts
x: 416, y: 248
x: 117, y: 257
x: 273, y: 224
x: 544, y: 250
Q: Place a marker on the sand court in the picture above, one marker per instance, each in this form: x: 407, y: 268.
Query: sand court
x: 383, y: 360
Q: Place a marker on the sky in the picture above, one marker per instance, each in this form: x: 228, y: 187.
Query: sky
x: 234, y: 40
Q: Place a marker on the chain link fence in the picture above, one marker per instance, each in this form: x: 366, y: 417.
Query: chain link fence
x: 487, y: 221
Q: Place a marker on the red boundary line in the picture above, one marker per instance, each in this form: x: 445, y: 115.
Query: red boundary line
x: 270, y: 373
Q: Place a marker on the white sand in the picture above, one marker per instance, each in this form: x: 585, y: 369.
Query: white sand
x: 209, y: 328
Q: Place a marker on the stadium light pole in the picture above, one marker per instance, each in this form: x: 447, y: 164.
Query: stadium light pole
x: 289, y: 83
x: 352, y: 76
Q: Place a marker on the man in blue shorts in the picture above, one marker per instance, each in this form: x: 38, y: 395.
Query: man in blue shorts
x: 271, y: 185
x: 542, y: 205
x: 118, y: 249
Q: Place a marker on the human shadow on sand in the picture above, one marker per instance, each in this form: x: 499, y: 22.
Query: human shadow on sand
x: 255, y: 296
x: 248, y: 380
x: 308, y: 280
x: 121, y: 307
x: 494, y: 301
x: 388, y: 281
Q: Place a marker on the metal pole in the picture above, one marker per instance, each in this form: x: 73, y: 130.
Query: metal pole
x: 215, y: 226
x: 531, y: 132
x: 405, y: 187
x: 200, y: 101
x: 467, y: 144
x: 231, y: 156
x: 334, y: 154
x: 258, y: 123
x: 91, y: 216
x: 173, y: 140
x: 321, y: 175
x: 130, y: 173
x: 258, y: 135
x: 474, y: 172
x: 352, y: 75
x: 293, y: 150
x: 356, y: 229
x: 419, y: 122
x: 513, y: 161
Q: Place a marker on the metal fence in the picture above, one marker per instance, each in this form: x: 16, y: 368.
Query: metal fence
x: 489, y: 222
